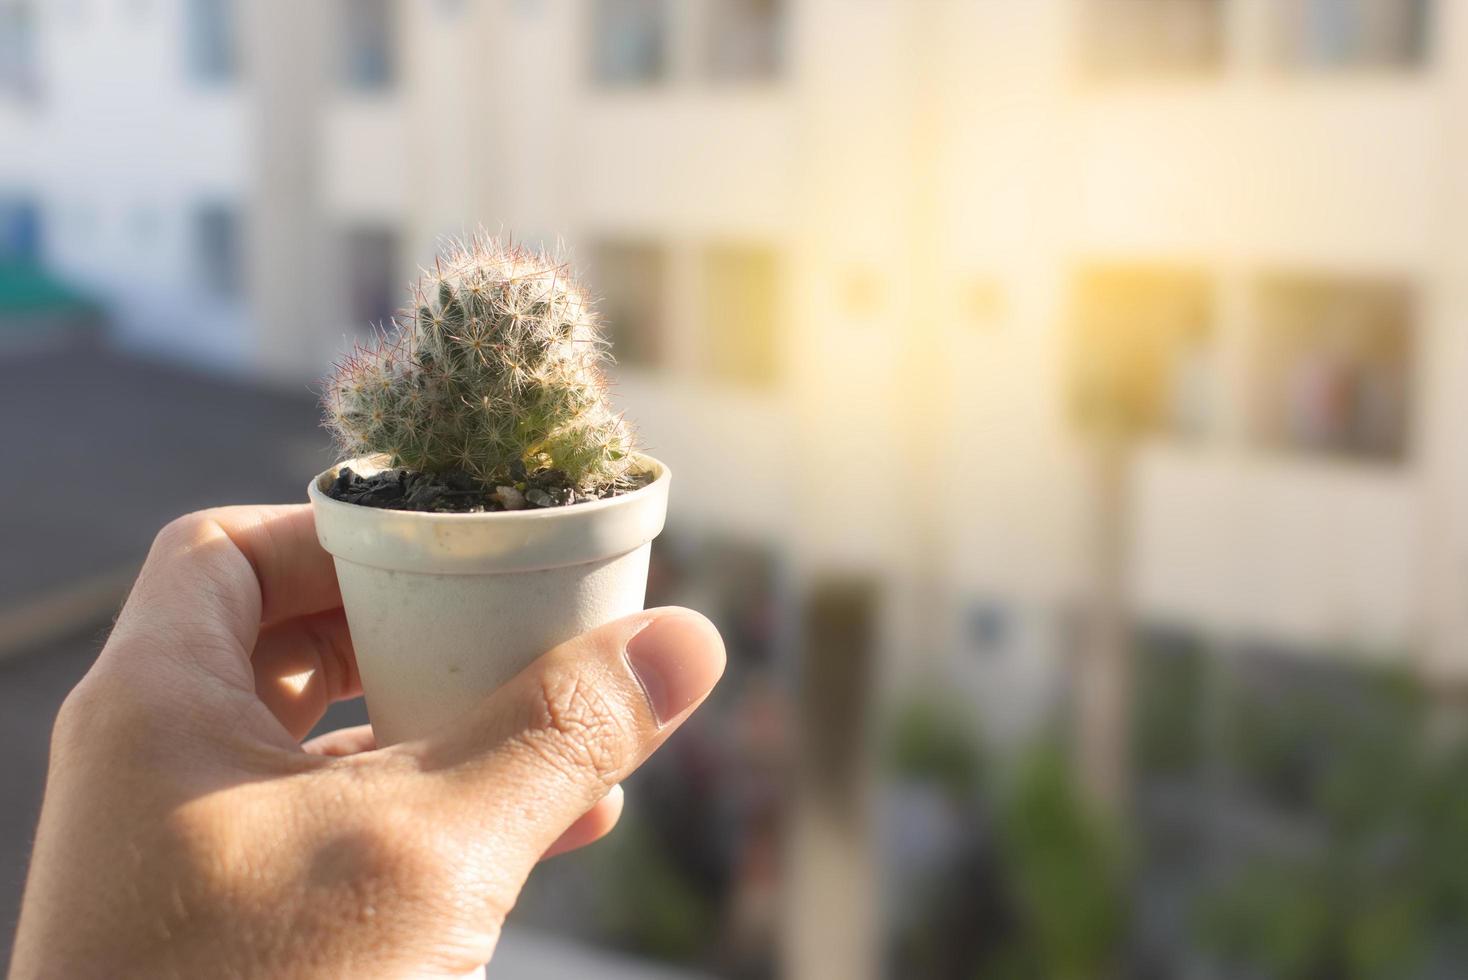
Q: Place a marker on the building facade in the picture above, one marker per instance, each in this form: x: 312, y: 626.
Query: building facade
x: 862, y: 262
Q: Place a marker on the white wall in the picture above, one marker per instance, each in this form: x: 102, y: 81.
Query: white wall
x: 130, y: 146
x: 926, y: 150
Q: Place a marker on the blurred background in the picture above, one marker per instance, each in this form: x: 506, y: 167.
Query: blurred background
x: 1060, y: 393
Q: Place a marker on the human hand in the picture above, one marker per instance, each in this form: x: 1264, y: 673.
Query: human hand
x: 186, y: 832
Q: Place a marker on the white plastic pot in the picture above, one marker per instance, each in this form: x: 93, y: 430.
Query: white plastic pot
x: 444, y: 608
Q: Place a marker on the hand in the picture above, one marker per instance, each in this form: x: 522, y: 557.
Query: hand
x: 186, y: 832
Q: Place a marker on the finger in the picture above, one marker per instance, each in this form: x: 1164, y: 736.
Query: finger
x: 295, y: 575
x: 303, y: 666
x: 343, y: 742
x: 224, y: 572
x: 552, y: 742
x: 591, y: 826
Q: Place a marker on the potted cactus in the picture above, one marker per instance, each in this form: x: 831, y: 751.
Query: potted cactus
x: 489, y: 504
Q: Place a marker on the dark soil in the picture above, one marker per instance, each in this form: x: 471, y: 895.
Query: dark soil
x: 456, y: 492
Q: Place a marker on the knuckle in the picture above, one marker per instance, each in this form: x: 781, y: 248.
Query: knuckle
x: 100, y: 706
x: 77, y: 717
x: 579, y: 727
x: 178, y: 534
x: 108, y: 720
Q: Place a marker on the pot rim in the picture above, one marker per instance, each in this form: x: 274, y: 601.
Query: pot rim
x: 374, y: 464
x: 488, y: 541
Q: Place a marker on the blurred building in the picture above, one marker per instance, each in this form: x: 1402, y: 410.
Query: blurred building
x: 881, y: 277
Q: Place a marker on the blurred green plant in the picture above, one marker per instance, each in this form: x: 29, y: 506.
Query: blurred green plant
x: 1381, y: 888
x: 1167, y: 730
x: 1038, y: 890
x: 1066, y: 870
x: 930, y: 740
x: 654, y: 910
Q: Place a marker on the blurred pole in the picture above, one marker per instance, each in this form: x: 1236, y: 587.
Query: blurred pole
x: 930, y: 406
x: 874, y: 131
x: 1104, y: 674
x: 288, y: 59
x: 1134, y: 328
x: 830, y: 890
x: 1440, y: 360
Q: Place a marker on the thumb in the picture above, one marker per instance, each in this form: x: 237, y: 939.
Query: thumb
x: 551, y: 743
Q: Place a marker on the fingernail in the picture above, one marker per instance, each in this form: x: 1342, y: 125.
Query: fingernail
x: 676, y: 659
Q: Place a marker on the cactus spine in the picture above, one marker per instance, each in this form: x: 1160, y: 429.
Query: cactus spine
x: 497, y: 365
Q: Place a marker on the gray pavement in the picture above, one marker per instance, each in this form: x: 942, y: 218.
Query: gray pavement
x: 101, y: 450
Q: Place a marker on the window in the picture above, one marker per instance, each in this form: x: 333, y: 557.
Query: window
x: 20, y: 232
x: 1350, y: 33
x: 630, y: 41
x: 219, y: 251
x: 631, y: 277
x: 988, y: 626
x: 740, y: 311
x: 1141, y: 355
x: 213, y: 45
x: 18, y: 70
x: 369, y: 51
x: 1121, y: 37
x: 1332, y: 366
x: 372, y: 285
x: 745, y: 39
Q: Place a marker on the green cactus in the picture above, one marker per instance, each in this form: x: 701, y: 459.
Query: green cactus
x: 497, y: 366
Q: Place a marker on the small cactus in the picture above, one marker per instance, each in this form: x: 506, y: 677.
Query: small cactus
x: 495, y: 370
